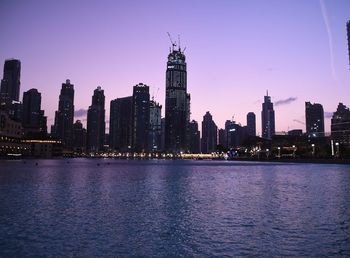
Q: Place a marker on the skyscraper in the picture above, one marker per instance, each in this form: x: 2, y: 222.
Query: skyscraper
x: 348, y: 29
x: 10, y: 84
x: 155, y: 127
x: 209, y: 134
x: 63, y: 129
x: 176, y: 103
x: 267, y: 118
x: 33, y: 119
x: 195, y: 138
x: 141, y: 117
x: 251, y: 124
x: 340, y: 125
x: 121, y: 124
x: 314, y: 117
x: 96, y: 122
x: 79, y: 137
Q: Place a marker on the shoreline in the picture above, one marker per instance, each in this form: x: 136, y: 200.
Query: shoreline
x: 275, y: 160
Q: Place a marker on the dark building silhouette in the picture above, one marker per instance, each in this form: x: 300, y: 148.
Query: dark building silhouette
x: 155, y: 127
x: 121, y: 124
x: 63, y: 128
x: 163, y: 134
x: 295, y: 132
x: 209, y: 134
x: 235, y: 134
x: 141, y: 117
x: 222, y: 138
x: 195, y: 138
x: 314, y: 117
x: 348, y: 30
x: 340, y: 125
x: 96, y: 122
x: 177, y: 103
x: 11, y: 82
x: 251, y: 124
x: 79, y: 137
x: 33, y: 120
x: 267, y: 118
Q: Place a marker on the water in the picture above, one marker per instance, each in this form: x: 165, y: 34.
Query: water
x: 113, y: 208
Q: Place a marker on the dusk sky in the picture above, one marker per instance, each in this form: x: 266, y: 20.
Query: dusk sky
x: 235, y: 51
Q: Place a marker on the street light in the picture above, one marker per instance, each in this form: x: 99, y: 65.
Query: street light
x: 279, y: 152
x: 313, y: 149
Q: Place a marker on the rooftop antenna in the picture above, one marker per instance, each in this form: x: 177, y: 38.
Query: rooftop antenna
x: 267, y: 93
x: 178, y: 37
x: 171, y: 40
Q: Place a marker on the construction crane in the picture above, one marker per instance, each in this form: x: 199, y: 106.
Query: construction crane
x: 171, y: 40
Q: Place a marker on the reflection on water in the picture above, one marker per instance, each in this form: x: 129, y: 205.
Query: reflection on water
x: 81, y: 207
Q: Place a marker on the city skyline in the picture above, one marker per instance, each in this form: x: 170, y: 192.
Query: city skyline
x: 297, y: 60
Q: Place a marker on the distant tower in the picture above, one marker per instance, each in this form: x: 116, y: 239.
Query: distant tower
x: 209, y: 134
x: 10, y: 84
x: 155, y: 127
x: 251, y: 124
x: 340, y: 125
x: 96, y: 122
x: 195, y: 138
x: 267, y: 118
x: 79, y: 137
x: 314, y: 117
x: 141, y: 116
x: 33, y: 119
x: 177, y: 113
x: 120, y: 124
x: 63, y: 129
x: 348, y: 29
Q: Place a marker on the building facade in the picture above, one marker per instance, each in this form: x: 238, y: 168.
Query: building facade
x: 348, y: 32
x: 155, y: 127
x: 177, y: 103
x: 64, y: 116
x: 11, y: 82
x: 195, y: 138
x: 314, y: 117
x: 121, y: 124
x: 340, y: 125
x: 141, y: 117
x: 96, y: 122
x: 79, y: 137
x: 251, y: 124
x: 267, y: 118
x: 209, y: 134
x: 33, y: 119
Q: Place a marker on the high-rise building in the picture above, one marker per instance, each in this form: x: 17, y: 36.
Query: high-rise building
x: 11, y: 82
x: 235, y: 134
x: 267, y: 118
x: 121, y: 124
x: 64, y: 116
x: 33, y: 120
x: 222, y: 138
x: 79, y: 137
x: 251, y: 124
x: 195, y: 138
x: 96, y: 122
x: 348, y: 29
x: 314, y: 117
x: 141, y: 117
x: 177, y: 113
x: 340, y: 125
x: 209, y: 134
x: 155, y: 127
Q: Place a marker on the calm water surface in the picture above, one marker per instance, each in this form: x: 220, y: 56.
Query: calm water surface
x: 113, y: 208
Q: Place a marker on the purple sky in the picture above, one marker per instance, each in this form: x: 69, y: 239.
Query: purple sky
x: 236, y: 50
